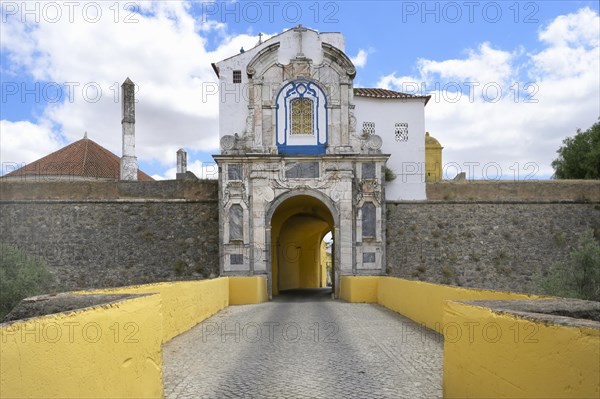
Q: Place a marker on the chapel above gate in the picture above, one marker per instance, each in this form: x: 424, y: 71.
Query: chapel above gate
x: 291, y: 95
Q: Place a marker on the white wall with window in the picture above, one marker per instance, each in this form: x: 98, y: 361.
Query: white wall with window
x: 400, y: 122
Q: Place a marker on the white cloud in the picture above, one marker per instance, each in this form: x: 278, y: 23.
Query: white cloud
x: 360, y: 60
x: 521, y: 130
x: 483, y: 65
x: 573, y: 43
x: 202, y: 170
x: 578, y: 29
x: 163, y: 51
x: 24, y: 142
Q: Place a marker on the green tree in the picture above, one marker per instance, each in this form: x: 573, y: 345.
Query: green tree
x: 579, y: 156
x: 580, y: 276
x: 21, y: 276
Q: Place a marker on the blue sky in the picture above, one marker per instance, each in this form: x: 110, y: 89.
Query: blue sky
x: 527, y: 73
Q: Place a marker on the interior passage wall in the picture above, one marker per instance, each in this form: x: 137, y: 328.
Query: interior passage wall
x: 486, y: 245
x: 129, y: 239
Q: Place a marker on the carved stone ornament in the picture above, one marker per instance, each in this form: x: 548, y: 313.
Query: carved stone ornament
x: 368, y: 188
x: 374, y: 142
x: 235, y: 190
x: 227, y: 142
x: 352, y: 122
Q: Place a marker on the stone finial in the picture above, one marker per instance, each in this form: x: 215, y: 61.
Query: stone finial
x: 128, y: 101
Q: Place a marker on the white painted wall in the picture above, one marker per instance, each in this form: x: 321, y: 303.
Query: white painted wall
x: 407, y: 159
x: 233, y: 98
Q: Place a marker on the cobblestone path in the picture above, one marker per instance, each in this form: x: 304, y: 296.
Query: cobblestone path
x: 303, y: 345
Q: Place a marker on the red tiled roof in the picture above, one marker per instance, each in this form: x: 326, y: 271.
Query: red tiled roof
x: 384, y: 93
x: 83, y: 158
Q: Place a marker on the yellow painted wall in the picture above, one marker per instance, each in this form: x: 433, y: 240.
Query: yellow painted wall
x: 323, y: 265
x: 299, y: 257
x: 247, y: 290
x: 185, y: 303
x: 108, y: 351
x: 113, y: 350
x: 490, y: 355
x: 433, y: 159
x: 424, y: 302
x: 359, y: 289
x: 297, y: 227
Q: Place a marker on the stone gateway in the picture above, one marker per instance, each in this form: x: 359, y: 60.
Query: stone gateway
x: 301, y: 157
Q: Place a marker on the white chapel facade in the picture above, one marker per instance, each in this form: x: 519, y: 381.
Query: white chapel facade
x: 304, y: 153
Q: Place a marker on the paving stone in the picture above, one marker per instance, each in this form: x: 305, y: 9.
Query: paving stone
x: 300, y: 346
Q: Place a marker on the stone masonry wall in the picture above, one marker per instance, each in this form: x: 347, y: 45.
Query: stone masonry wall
x: 104, y: 234
x: 130, y: 233
x: 501, y: 244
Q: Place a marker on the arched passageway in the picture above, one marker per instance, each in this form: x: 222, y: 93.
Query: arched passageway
x: 300, y: 258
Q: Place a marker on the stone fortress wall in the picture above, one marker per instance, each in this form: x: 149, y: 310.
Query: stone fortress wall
x: 108, y: 234
x: 495, y: 235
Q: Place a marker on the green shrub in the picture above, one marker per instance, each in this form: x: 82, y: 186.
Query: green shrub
x: 389, y: 174
x: 580, y: 276
x: 21, y: 276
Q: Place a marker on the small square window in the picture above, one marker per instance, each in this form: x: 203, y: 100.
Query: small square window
x: 368, y: 128
x: 237, y: 76
x: 401, y: 132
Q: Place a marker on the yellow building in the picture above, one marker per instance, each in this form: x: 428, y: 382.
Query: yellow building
x: 433, y: 159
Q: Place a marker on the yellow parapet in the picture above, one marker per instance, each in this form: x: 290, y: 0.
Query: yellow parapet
x: 359, y: 288
x: 112, y: 350
x: 247, y: 290
x: 493, y: 355
x: 106, y: 351
x: 184, y: 303
x: 424, y: 302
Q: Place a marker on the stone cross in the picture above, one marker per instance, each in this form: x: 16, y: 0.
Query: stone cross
x: 300, y: 30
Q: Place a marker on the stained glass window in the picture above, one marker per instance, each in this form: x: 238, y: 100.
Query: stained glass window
x: 301, y: 110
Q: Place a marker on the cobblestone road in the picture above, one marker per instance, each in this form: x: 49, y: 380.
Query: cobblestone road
x: 304, y: 346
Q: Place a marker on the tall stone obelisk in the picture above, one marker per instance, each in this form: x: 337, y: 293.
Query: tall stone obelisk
x: 129, y: 164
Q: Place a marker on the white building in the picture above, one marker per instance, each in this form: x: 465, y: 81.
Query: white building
x: 301, y: 156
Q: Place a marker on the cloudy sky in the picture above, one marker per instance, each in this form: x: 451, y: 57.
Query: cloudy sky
x: 509, y: 80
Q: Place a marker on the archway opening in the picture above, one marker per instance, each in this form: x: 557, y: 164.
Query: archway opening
x: 302, y: 229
